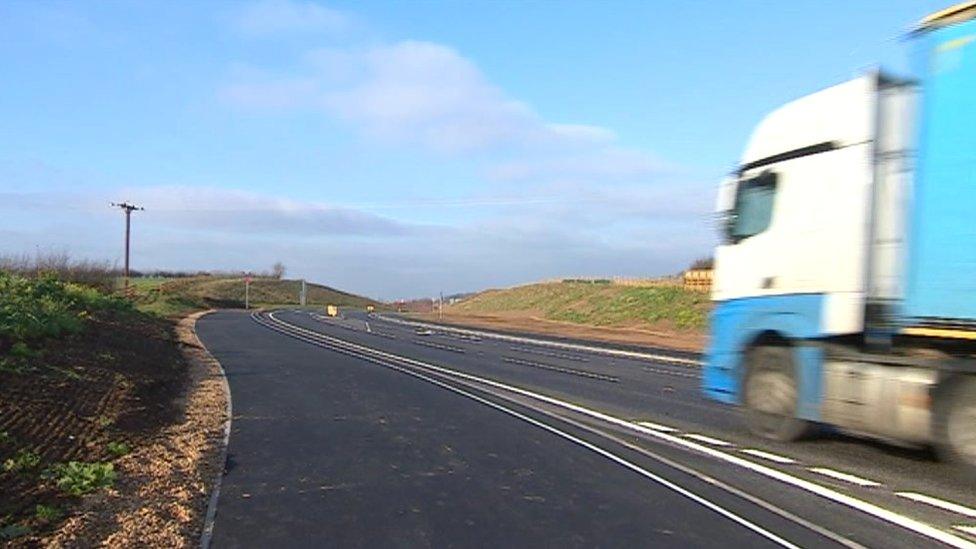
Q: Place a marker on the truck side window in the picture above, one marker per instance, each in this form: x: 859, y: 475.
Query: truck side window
x: 753, y: 209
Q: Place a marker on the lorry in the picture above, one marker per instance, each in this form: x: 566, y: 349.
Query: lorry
x: 844, y: 288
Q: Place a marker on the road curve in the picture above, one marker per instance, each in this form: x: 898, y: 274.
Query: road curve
x: 334, y: 449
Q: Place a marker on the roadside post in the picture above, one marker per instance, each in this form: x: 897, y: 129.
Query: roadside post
x: 247, y: 291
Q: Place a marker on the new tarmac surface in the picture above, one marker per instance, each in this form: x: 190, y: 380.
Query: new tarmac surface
x: 332, y: 449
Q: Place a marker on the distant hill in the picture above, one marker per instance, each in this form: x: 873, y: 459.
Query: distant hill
x: 170, y: 296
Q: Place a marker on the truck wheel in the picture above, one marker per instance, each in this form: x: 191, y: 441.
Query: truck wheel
x: 770, y: 394
x: 957, y: 423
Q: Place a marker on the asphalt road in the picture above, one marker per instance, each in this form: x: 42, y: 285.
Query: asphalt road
x: 445, y: 440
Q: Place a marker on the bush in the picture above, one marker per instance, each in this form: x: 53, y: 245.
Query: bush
x: 77, y: 478
x: 118, y: 449
x: 25, y: 460
x: 13, y: 531
x: 47, y: 513
x: 32, y: 310
x: 100, y: 275
x: 702, y: 263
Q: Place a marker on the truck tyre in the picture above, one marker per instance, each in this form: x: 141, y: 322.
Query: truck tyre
x: 956, y: 427
x: 770, y: 394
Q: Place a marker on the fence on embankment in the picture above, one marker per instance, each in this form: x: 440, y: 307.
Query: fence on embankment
x: 694, y: 279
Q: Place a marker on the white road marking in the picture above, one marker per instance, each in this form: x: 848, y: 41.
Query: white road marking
x: 766, y: 455
x: 844, y: 476
x: 657, y: 427
x: 555, y: 344
x: 707, y: 440
x: 581, y: 373
x: 611, y: 456
x: 600, y: 451
x: 940, y: 503
x: 694, y: 375
x: 367, y: 327
x: 908, y: 523
x: 971, y: 530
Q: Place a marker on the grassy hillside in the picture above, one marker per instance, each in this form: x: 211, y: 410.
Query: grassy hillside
x: 171, y: 296
x: 595, y: 304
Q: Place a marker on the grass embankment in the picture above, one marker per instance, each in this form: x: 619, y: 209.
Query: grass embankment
x: 172, y: 297
x: 655, y: 316
x: 84, y: 378
x: 596, y: 304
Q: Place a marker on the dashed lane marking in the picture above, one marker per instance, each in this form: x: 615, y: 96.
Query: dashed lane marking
x: 585, y: 444
x: 439, y: 346
x: 707, y: 440
x: 904, y: 521
x: 657, y: 427
x: 767, y: 455
x: 607, y: 351
x: 671, y: 372
x: 940, y: 503
x: 846, y: 477
x: 532, y: 351
x: 560, y: 369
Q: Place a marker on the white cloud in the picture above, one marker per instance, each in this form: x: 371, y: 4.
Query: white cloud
x: 600, y: 163
x: 271, y: 94
x: 272, y: 17
x: 415, y: 92
x: 217, y: 210
x: 226, y: 210
x: 595, y: 233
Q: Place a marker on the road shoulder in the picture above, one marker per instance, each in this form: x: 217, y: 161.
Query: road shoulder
x: 165, y: 486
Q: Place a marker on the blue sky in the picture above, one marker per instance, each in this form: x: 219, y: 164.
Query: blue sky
x: 399, y: 149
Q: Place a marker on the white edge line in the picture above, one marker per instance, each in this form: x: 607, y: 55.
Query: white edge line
x: 206, y: 534
x: 940, y: 503
x: 838, y: 475
x: 546, y: 343
x: 767, y: 455
x: 612, y: 457
x: 971, y: 530
x: 600, y: 451
x: 887, y: 515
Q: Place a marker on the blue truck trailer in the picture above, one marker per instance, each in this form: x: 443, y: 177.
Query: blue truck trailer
x: 845, y: 287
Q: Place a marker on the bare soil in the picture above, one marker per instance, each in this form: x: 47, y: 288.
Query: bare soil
x: 664, y: 337
x: 133, y: 379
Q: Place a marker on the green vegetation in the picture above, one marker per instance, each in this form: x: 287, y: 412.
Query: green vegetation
x: 177, y: 296
x: 77, y: 478
x: 118, y: 449
x: 596, y: 304
x: 13, y: 531
x: 47, y: 513
x: 33, y: 310
x: 24, y: 460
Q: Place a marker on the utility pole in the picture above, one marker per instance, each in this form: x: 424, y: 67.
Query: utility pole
x: 440, y: 306
x: 302, y: 298
x: 128, y: 209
